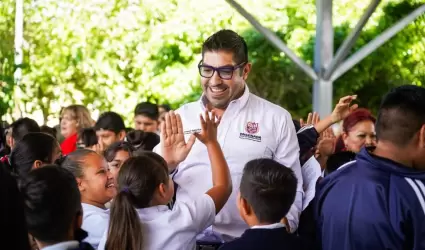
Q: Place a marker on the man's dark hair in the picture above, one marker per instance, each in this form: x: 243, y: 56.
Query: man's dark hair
x: 229, y: 41
x: 48, y: 130
x: 401, y: 115
x: 147, y: 109
x: 110, y: 121
x: 22, y: 127
x: 52, y: 201
x: 165, y: 106
x: 88, y: 137
x: 269, y: 187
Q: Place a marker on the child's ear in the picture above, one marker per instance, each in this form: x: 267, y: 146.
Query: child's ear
x: 244, y: 207
x: 37, y: 164
x: 121, y: 135
x: 80, y: 184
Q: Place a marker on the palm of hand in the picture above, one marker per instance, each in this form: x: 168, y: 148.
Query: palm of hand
x: 174, y: 148
x: 326, y: 146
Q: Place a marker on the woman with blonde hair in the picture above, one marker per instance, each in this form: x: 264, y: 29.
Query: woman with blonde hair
x: 73, y: 118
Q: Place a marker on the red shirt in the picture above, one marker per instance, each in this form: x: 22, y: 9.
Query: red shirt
x: 69, y: 145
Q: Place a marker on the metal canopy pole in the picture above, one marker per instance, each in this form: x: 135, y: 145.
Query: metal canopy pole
x: 348, y: 43
x: 19, y: 40
x: 275, y: 40
x: 323, y: 53
x: 375, y: 43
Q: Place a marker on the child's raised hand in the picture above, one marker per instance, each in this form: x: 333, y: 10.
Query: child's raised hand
x: 209, y: 126
x: 174, y: 147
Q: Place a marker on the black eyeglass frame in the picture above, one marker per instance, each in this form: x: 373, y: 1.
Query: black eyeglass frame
x: 214, y: 69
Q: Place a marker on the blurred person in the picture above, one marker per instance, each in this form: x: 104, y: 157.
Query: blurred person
x: 48, y: 130
x: 53, y: 209
x: 377, y: 200
x: 146, y: 117
x: 109, y: 128
x: 96, y: 187
x: 116, y: 155
x: 141, y: 140
x: 12, y: 217
x: 358, y: 130
x: 87, y: 138
x: 73, y: 118
x: 35, y: 150
x: 20, y: 128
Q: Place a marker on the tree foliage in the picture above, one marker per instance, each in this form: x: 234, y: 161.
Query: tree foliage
x: 110, y: 55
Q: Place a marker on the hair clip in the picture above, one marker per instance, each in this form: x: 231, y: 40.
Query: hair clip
x: 125, y: 190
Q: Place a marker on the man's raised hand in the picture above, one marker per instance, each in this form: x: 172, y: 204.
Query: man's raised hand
x: 174, y: 147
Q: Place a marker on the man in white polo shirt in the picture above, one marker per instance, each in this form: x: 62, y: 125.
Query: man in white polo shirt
x: 250, y: 128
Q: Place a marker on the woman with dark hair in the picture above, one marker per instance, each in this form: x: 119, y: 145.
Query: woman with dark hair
x: 116, y: 155
x: 33, y: 151
x: 12, y: 218
x: 358, y: 130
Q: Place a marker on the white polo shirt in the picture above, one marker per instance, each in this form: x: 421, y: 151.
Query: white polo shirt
x: 174, y: 229
x: 250, y: 128
x: 95, y: 223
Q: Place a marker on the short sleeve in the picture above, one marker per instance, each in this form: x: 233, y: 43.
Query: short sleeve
x: 200, y: 212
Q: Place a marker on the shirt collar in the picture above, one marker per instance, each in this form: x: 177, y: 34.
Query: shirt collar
x: 203, y: 101
x: 388, y: 165
x: 152, y: 212
x: 269, y: 226
x: 63, y: 245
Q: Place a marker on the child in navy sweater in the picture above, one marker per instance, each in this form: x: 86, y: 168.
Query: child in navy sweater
x: 267, y: 191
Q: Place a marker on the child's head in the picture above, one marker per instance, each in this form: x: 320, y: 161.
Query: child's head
x: 86, y: 138
x: 109, y: 128
x: 143, y: 140
x: 116, y: 155
x: 52, y: 205
x: 34, y: 150
x: 143, y: 182
x: 94, y: 181
x: 267, y: 192
x: 146, y: 117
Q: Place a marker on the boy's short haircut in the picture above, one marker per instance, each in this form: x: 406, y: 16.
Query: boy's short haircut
x: 110, y: 121
x: 23, y: 126
x: 269, y: 188
x: 52, y: 202
x: 147, y: 109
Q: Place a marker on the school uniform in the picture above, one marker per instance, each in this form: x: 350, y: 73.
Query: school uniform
x: 174, y: 229
x: 371, y: 203
x: 95, y: 223
x: 267, y: 237
x: 250, y: 128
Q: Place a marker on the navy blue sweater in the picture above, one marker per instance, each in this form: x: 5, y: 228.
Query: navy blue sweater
x: 265, y: 239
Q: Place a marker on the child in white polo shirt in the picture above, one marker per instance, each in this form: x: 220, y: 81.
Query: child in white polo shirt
x: 140, y: 218
x: 96, y: 186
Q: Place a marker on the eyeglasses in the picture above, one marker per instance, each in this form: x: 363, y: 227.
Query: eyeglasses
x: 225, y: 72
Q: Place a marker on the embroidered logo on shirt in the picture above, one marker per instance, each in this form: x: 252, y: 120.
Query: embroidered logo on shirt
x: 252, y: 128
x: 192, y: 131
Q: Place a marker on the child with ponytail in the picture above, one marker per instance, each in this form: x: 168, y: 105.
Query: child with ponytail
x: 140, y: 218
